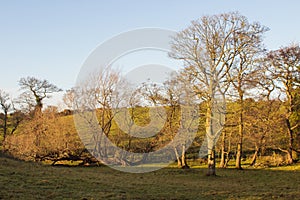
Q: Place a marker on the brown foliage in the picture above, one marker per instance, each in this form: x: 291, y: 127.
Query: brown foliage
x: 46, y: 136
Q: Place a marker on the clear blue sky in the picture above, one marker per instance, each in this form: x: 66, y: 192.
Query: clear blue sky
x: 51, y: 39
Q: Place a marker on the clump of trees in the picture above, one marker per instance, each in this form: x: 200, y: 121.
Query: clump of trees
x: 33, y: 133
x: 247, y: 95
x: 45, y: 137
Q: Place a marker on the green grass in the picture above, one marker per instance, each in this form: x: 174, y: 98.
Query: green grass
x: 21, y: 180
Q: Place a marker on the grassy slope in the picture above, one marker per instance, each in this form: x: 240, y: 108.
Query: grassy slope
x: 20, y: 180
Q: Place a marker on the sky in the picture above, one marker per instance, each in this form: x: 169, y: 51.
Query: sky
x: 51, y: 39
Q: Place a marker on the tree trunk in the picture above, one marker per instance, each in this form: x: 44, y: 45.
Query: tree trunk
x: 255, y: 155
x: 211, y: 163
x: 38, y: 108
x: 179, y: 163
x: 222, y: 161
x: 238, y: 163
x: 290, y: 159
x: 227, y: 159
x: 289, y: 156
x: 210, y: 140
x: 183, y: 158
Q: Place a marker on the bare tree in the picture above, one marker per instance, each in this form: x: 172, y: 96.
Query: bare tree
x: 173, y: 95
x: 209, y: 51
x: 96, y: 98
x: 175, y: 92
x: 126, y: 117
x: 245, y: 72
x: 262, y: 117
x: 69, y: 98
x: 284, y: 67
x: 35, y: 91
x: 164, y: 100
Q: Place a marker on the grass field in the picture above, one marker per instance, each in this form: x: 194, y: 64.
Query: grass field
x: 21, y: 180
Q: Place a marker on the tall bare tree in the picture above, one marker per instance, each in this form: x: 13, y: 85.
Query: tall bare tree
x: 262, y: 116
x: 245, y: 74
x: 284, y: 67
x: 96, y: 98
x: 210, y: 47
x: 35, y: 91
x: 175, y: 91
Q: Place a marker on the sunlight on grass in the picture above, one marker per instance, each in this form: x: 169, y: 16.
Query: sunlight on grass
x: 287, y: 168
x: 26, y: 180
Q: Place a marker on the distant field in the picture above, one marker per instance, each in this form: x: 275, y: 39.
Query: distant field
x: 20, y: 180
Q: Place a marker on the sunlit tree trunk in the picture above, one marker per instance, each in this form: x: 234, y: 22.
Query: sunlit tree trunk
x: 210, y: 141
x: 211, y: 162
x: 223, y: 143
x: 255, y: 155
x: 179, y: 163
x: 183, y: 158
x: 238, y: 163
x: 290, y: 159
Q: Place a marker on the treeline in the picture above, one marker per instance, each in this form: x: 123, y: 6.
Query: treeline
x: 52, y: 135
x: 225, y: 64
